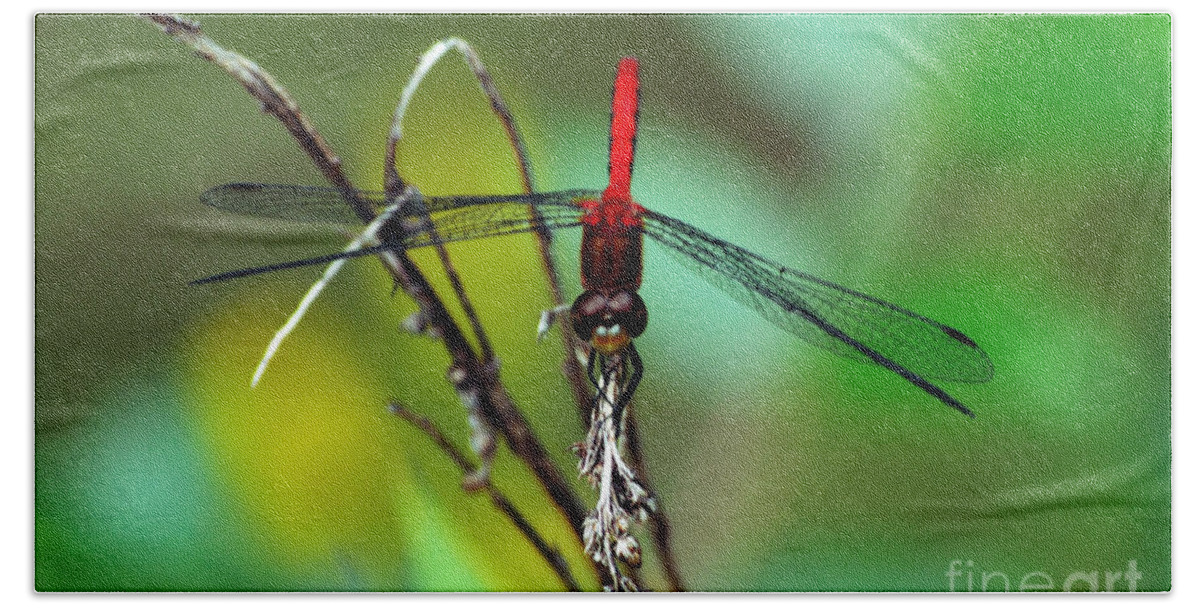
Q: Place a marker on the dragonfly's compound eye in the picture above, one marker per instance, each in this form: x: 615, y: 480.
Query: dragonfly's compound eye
x: 586, y: 313
x: 608, y: 321
x: 628, y: 309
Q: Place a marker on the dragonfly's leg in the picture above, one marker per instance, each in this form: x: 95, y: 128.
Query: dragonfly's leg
x: 634, y: 361
x: 549, y: 318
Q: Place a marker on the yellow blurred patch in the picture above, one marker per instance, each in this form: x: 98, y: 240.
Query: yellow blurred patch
x: 304, y: 451
x: 334, y: 481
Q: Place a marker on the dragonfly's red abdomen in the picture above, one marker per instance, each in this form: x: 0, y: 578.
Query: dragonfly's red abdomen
x: 624, y: 128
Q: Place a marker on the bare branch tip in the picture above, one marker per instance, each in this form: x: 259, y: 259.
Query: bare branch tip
x: 173, y: 24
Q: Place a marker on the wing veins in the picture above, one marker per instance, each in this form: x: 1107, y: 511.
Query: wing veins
x: 787, y: 296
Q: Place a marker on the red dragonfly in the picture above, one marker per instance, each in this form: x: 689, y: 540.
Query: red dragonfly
x: 610, y: 313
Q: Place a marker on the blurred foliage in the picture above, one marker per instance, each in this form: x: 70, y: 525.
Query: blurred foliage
x: 1009, y: 175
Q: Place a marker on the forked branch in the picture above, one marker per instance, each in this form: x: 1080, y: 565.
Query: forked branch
x: 572, y: 367
x: 476, y: 382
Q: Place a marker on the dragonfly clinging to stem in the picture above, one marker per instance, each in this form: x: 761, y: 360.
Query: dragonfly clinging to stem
x: 610, y: 314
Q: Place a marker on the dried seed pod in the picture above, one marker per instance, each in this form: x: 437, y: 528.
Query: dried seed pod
x: 629, y: 551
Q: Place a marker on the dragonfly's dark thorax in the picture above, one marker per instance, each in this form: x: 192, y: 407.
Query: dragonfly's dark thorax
x: 611, y: 252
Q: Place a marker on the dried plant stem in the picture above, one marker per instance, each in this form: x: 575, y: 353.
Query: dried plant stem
x: 550, y: 554
x: 274, y: 99
x: 623, y: 499
x: 367, y: 236
x: 572, y: 369
x: 476, y: 382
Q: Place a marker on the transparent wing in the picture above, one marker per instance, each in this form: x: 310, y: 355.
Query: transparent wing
x: 287, y: 202
x: 838, y: 319
x: 328, y: 205
x: 455, y: 217
x: 467, y: 218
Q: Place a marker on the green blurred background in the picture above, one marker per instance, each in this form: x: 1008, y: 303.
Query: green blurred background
x: 1008, y: 175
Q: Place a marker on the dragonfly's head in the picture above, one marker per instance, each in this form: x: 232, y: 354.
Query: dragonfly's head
x: 608, y: 321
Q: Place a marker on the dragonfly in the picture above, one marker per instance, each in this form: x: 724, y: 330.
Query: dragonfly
x: 610, y: 314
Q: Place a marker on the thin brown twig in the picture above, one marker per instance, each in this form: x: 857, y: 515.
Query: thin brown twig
x: 572, y: 368
x: 479, y: 388
x: 477, y: 384
x: 394, y: 183
x: 549, y: 553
